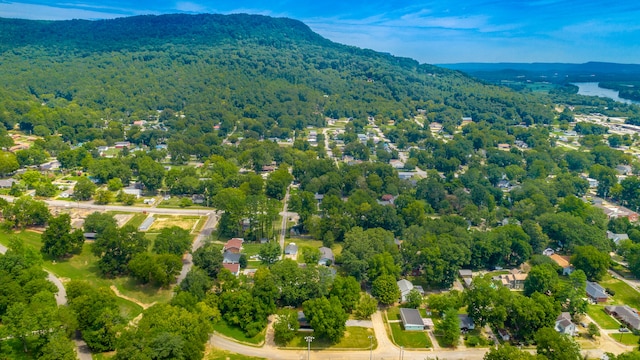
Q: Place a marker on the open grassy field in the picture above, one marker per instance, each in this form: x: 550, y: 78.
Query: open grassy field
x: 137, y: 220
x: 236, y: 333
x: 626, y: 338
x: 596, y: 312
x: 165, y: 221
x: 84, y: 267
x: 355, y: 337
x: 624, y: 294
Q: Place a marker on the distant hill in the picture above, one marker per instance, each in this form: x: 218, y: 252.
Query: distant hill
x: 272, y: 75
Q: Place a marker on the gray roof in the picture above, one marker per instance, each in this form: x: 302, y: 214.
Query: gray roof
x: 405, y: 286
x: 326, y: 253
x: 626, y: 315
x: 6, y: 183
x: 411, y: 317
x: 595, y: 291
x: 146, y: 223
x: 466, y: 322
x: 291, y: 249
x: 231, y: 258
x: 465, y: 272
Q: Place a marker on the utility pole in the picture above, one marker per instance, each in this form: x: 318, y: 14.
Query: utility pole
x: 309, y: 340
x: 370, y: 347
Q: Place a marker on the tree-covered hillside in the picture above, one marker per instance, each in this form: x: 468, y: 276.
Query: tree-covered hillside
x: 270, y: 74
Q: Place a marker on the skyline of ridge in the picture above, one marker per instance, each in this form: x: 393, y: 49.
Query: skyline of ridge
x: 428, y: 31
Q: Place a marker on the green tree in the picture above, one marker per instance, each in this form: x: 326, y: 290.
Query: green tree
x: 365, y: 307
x: 556, y: 346
x: 172, y: 240
x: 25, y: 211
x: 96, y: 222
x: 541, y: 278
x: 593, y: 262
x: 347, y: 290
x: 157, y: 268
x: 385, y: 289
x: 277, y: 182
x: 593, y: 330
x: 508, y: 352
x: 103, y: 197
x: 414, y: 299
x: 326, y: 317
x: 449, y: 328
x: 383, y: 264
x: 311, y: 255
x: 270, y: 253
x: 150, y: 173
x: 116, y: 247
x: 114, y: 184
x: 8, y: 163
x: 209, y: 258
x: 196, y: 283
x: 58, y: 240
x: 58, y: 347
x: 84, y: 189
x: 286, y: 326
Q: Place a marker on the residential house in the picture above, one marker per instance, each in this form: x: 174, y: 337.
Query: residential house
x: 122, y: 144
x: 466, y: 323
x: 197, y: 199
x: 466, y: 276
x: 233, y: 268
x: 614, y: 212
x: 234, y: 245
x: 405, y: 287
x: 596, y: 293
x: 132, y: 191
x: 624, y: 169
x: 565, y: 325
x: 405, y: 175
x: 514, y: 280
x: 593, y: 183
x: 504, y: 147
x: 563, y: 262
x: 326, y: 256
x: 291, y: 249
x: 396, y: 164
x: 413, y: 321
x: 616, y: 238
x: 386, y: 200
x: 231, y: 258
x: 625, y: 314
x: 548, y: 252
x: 50, y: 166
x: 7, y: 183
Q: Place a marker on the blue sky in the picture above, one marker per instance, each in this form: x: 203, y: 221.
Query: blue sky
x: 428, y: 31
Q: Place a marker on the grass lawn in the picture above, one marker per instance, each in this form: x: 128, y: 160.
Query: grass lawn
x: 166, y: 221
x: 475, y: 338
x: 393, y: 313
x: 355, y: 337
x: 217, y: 354
x: 409, y: 339
x: 596, y: 312
x: 236, y: 333
x: 174, y: 202
x: 137, y: 220
x: 624, y: 294
x: 251, y: 249
x: 84, y: 267
x: 626, y: 338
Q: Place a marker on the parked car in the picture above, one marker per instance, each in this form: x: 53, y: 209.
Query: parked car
x: 623, y: 329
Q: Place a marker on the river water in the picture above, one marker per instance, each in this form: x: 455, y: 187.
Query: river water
x: 592, y: 89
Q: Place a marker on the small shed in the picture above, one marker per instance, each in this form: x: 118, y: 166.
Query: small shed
x: 411, y: 319
x: 146, y: 224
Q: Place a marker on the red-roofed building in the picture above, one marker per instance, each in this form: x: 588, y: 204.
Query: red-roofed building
x: 234, y: 268
x: 234, y: 245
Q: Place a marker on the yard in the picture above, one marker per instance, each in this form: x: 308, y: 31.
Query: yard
x: 354, y: 338
x: 626, y: 338
x: 596, y: 312
x: 84, y: 267
x: 624, y: 294
x: 236, y: 333
x: 408, y: 339
x: 165, y: 221
x: 217, y: 354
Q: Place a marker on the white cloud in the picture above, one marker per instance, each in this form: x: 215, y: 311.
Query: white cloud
x: 190, y: 7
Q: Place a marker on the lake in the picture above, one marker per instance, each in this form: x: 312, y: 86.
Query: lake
x: 592, y: 89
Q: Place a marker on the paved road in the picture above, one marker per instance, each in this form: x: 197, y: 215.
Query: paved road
x: 207, y: 229
x: 88, y: 205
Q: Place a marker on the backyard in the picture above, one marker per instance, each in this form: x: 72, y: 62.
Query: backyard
x: 408, y: 339
x: 596, y: 312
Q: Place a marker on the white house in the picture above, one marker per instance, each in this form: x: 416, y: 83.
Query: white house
x: 405, y: 287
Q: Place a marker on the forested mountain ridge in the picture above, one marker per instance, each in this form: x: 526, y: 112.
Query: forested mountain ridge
x: 273, y: 75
